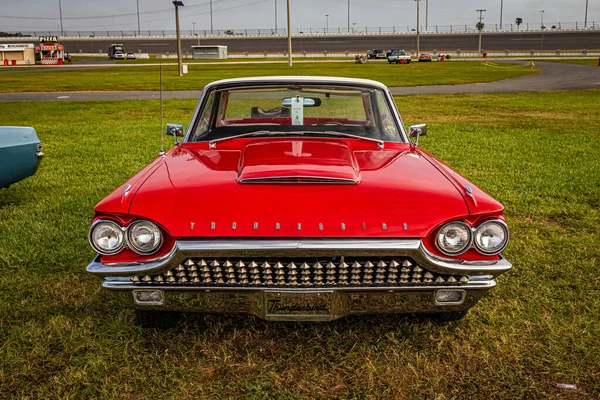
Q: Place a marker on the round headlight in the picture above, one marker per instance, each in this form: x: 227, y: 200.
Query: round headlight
x: 454, y: 238
x: 491, y: 237
x: 106, y: 237
x: 144, y: 237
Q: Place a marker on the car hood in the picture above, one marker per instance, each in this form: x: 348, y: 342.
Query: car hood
x: 197, y: 191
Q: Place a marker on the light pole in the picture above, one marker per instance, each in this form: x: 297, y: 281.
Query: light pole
x: 501, y: 7
x: 138, y: 15
x: 194, y: 28
x: 275, y: 16
x: 480, y: 27
x: 177, y: 4
x: 585, y: 21
x: 349, y: 16
x: 542, y: 19
x: 289, y: 34
x: 60, y: 12
x: 418, y: 1
x: 326, y: 23
x: 211, y: 24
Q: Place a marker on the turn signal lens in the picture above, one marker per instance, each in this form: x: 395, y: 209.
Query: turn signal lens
x: 491, y: 237
x: 454, y: 238
x: 144, y: 237
x: 106, y: 237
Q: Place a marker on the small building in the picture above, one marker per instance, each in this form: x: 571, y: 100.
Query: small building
x: 50, y: 52
x: 209, y: 52
x: 17, y: 54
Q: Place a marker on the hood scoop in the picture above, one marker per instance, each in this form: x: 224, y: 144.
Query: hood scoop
x: 298, y: 162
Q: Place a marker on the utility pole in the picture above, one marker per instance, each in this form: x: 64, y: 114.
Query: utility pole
x: 501, y: 7
x: 418, y: 1
x: 348, y: 16
x: 275, y: 16
x: 585, y: 21
x: 326, y: 23
x: 480, y: 27
x: 426, y: 14
x: 289, y: 33
x: 542, y: 19
x: 60, y: 12
x: 211, y: 24
x: 138, y: 15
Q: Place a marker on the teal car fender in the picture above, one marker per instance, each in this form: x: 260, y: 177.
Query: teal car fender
x: 20, y: 154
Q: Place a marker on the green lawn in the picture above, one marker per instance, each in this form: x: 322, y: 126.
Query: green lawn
x: 589, y: 61
x: 139, y: 77
x: 63, y: 337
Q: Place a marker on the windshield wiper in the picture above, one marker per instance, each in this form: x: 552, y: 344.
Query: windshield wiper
x: 379, y: 142
x: 213, y: 143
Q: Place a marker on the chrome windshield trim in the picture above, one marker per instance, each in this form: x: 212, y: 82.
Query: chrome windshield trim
x: 412, y: 248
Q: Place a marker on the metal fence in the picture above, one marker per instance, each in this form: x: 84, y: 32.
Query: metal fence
x: 354, y: 30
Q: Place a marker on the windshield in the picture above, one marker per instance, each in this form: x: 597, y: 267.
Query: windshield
x: 358, y: 111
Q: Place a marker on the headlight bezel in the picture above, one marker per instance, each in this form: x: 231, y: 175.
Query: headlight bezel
x: 130, y: 241
x: 126, y: 241
x: 468, y: 244
x: 473, y: 231
x: 502, y: 225
x: 118, y: 228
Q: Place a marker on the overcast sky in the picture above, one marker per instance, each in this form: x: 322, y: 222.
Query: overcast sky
x: 18, y: 15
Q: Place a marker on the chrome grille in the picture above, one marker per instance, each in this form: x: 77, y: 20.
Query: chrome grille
x: 299, y: 272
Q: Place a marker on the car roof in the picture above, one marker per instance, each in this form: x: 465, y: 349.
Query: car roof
x: 296, y: 79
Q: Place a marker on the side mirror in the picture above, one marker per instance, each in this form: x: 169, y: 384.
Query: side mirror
x: 414, y: 131
x: 175, y: 130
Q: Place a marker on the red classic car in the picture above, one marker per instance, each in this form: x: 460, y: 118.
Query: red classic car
x: 298, y: 198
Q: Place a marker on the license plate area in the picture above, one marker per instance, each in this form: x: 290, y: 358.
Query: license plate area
x: 281, y: 305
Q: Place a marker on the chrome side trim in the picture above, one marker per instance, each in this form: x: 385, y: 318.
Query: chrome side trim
x: 412, y: 248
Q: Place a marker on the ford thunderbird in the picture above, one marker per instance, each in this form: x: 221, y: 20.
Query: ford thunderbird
x: 298, y: 198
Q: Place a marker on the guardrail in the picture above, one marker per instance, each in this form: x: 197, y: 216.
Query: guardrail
x: 355, y: 30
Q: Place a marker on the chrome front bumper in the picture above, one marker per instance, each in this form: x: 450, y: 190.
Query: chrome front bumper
x: 325, y: 304
x: 272, y: 301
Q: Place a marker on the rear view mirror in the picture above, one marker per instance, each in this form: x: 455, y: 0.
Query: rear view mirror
x: 175, y: 130
x: 308, y: 102
x: 414, y: 131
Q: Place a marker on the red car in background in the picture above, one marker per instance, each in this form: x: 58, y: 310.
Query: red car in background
x: 298, y: 198
x: 424, y: 57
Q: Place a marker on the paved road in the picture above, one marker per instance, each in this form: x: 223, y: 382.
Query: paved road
x: 549, y: 41
x: 554, y: 76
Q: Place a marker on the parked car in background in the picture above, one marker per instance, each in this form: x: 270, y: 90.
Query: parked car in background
x: 20, y: 154
x: 424, y: 57
x: 376, y: 53
x: 131, y: 56
x: 298, y: 198
x: 399, y: 57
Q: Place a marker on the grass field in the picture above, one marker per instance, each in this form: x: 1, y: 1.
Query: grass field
x: 137, y: 77
x: 62, y: 337
x: 590, y: 61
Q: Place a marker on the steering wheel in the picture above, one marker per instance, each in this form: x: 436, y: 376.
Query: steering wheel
x: 323, y: 123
